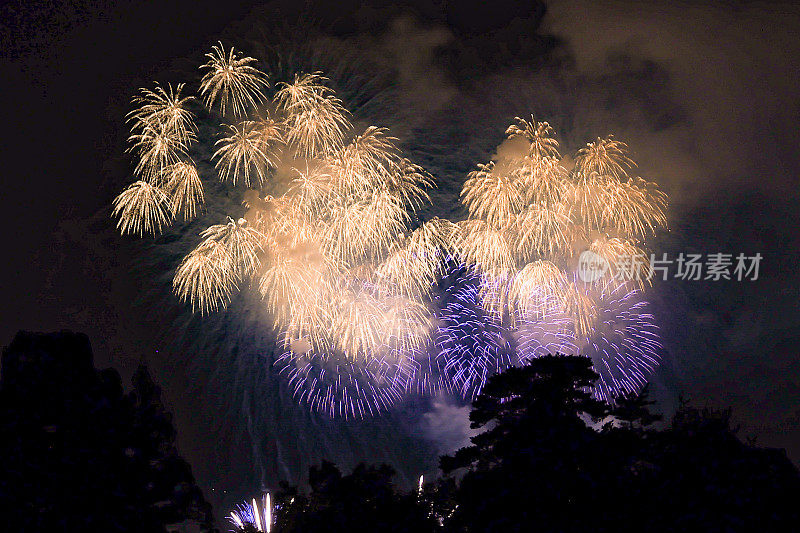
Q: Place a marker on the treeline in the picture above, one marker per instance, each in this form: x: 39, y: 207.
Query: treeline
x: 79, y: 454
x: 551, y: 458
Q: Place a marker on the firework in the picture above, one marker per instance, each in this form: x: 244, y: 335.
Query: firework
x: 543, y: 230
x: 271, y: 130
x: 536, y: 290
x: 626, y: 260
x: 364, y: 230
x: 623, y: 341
x: 407, y: 271
x: 142, y: 208
x: 185, y: 189
x: 542, y: 180
x: 383, y: 219
x: 359, y: 323
x: 536, y: 338
x: 298, y: 291
x: 369, y: 302
x: 249, y: 514
x: 407, y: 324
x: 636, y: 208
x: 340, y: 387
x: 590, y: 200
x: 243, y: 154
x: 493, y: 197
x: 286, y: 225
x: 310, y: 189
x: 539, y: 135
x: 302, y: 92
x: 408, y: 182
x: 607, y: 157
x: 232, y: 81
x: 241, y: 242
x: 316, y: 120
x: 330, y: 249
x: 157, y: 148
x: 469, y: 342
x: 485, y: 247
x: 435, y: 238
x: 164, y: 110
x: 206, y: 277
x: 580, y: 307
x: 365, y: 163
x: 529, y: 220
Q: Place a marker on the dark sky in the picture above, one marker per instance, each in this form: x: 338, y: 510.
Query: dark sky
x: 705, y: 95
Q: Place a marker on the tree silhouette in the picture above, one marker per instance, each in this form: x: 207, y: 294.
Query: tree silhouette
x: 550, y: 459
x: 77, y: 454
x: 709, y: 480
x: 633, y: 410
x: 536, y: 462
x: 363, y: 501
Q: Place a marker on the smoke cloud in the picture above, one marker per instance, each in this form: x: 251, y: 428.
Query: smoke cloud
x: 731, y: 72
x: 447, y: 425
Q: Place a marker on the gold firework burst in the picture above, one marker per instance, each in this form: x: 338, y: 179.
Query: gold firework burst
x: 607, y: 157
x: 316, y: 121
x: 242, y: 154
x: 164, y: 110
x: 538, y: 134
x: 232, y: 81
x: 485, y: 247
x: 241, y: 242
x: 142, y: 208
x: 493, y: 197
x: 205, y: 277
x: 185, y: 189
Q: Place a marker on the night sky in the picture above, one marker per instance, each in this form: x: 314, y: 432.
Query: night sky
x: 705, y: 95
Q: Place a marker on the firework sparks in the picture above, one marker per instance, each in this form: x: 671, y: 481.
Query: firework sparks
x: 538, y: 134
x: 185, y: 189
x: 142, y: 208
x: 535, y: 289
x: 529, y: 219
x: 232, y: 81
x: 469, y: 341
x: 205, y: 277
x: 331, y: 241
x: 543, y: 230
x: 606, y: 157
x: 157, y: 148
x: 242, y: 244
x: 493, y: 197
x: 486, y: 248
x: 316, y: 119
x: 164, y: 110
x: 622, y: 341
x: 249, y: 514
x: 332, y: 256
x: 242, y: 154
x: 340, y: 387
